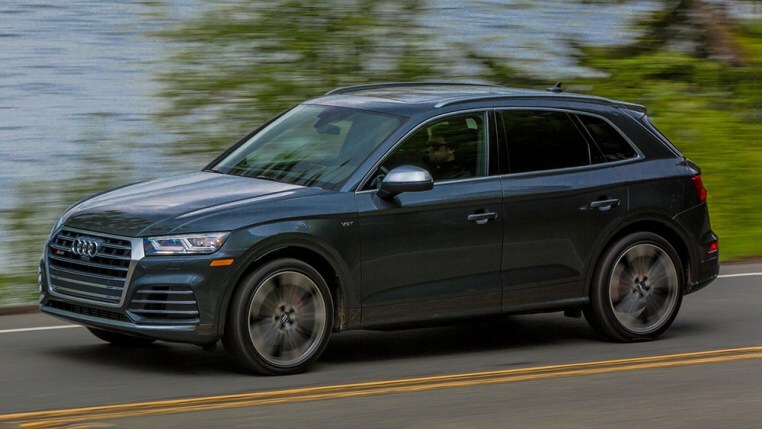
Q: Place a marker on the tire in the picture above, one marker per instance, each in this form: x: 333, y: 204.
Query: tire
x: 637, y: 289
x: 122, y: 340
x: 280, y: 318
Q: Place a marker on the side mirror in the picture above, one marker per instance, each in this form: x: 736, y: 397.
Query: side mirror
x: 405, y: 178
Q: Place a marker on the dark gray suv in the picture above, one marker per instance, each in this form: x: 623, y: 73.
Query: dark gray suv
x: 383, y: 206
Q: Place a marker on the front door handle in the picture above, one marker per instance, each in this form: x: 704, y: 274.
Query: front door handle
x: 604, y: 205
x: 482, y: 218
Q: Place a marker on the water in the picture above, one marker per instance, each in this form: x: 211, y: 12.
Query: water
x: 73, y: 72
x: 534, y: 35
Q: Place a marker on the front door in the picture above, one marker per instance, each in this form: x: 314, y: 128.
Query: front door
x: 435, y: 254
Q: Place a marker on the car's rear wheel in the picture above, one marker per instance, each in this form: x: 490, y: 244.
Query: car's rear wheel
x: 280, y: 318
x: 637, y: 289
x: 121, y: 340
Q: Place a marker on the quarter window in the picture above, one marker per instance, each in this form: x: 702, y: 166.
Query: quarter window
x: 612, y: 144
x: 543, y: 140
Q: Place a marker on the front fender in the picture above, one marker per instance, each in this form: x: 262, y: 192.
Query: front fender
x: 335, y: 240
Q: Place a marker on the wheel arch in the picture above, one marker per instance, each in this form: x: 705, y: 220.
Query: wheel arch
x: 659, y: 226
x: 315, y: 254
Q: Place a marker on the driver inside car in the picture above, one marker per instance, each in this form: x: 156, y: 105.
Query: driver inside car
x: 442, y: 145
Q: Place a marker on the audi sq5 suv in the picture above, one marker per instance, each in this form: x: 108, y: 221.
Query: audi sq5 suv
x: 390, y: 205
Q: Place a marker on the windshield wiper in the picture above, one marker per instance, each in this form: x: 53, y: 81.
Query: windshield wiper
x: 272, y: 179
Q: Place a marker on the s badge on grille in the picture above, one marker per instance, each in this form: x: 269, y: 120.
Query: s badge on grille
x: 85, y: 246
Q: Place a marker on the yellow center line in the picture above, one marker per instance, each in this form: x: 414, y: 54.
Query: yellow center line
x: 53, y: 418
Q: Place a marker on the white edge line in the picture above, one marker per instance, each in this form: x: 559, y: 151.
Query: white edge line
x: 739, y: 275
x: 44, y: 328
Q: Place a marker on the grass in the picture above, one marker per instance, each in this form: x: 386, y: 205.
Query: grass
x: 711, y: 112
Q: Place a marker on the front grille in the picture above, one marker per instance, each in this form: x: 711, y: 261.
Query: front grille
x: 165, y: 303
x: 100, y: 277
x: 87, y: 311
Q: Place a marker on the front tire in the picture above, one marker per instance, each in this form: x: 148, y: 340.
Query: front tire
x: 280, y: 318
x: 637, y: 289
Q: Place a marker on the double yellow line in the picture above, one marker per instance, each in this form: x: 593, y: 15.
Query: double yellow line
x: 65, y: 417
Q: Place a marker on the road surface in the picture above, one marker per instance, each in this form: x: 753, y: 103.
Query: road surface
x: 523, y: 371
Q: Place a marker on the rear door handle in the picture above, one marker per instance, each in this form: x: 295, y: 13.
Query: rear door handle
x: 604, y: 205
x: 482, y: 218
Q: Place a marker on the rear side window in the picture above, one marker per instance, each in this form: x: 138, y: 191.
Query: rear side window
x: 543, y: 140
x: 613, y: 146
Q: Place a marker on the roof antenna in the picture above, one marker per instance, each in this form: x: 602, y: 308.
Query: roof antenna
x: 556, y: 89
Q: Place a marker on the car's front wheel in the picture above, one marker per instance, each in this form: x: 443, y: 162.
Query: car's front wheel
x: 280, y: 318
x: 637, y: 289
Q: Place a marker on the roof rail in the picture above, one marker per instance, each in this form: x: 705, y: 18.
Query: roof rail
x: 564, y: 97
x: 348, y: 89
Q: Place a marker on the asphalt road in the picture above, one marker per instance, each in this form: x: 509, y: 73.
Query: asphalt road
x: 523, y: 371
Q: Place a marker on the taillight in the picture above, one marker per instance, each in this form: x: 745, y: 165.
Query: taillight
x: 700, y: 189
x: 714, y: 246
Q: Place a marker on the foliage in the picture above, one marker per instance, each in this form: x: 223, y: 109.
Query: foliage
x: 700, y: 75
x: 238, y: 64
x: 706, y: 110
x: 709, y: 107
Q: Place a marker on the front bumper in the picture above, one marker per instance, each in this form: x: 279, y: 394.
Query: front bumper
x: 196, y: 334
x: 169, y: 298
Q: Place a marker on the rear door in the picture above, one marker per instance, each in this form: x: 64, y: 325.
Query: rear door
x: 559, y: 200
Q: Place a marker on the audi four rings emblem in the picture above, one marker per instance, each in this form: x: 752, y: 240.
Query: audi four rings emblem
x: 85, y: 247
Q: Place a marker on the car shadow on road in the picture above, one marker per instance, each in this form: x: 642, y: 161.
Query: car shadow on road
x: 158, y: 357
x: 465, y: 337
x: 514, y: 332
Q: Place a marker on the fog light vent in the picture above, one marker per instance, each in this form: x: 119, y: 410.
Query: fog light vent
x: 165, y: 303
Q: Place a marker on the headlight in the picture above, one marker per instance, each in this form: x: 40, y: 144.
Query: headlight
x: 191, y: 244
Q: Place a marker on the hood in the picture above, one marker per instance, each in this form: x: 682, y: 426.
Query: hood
x: 176, y: 204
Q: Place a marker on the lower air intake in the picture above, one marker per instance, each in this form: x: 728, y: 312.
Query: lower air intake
x: 165, y: 303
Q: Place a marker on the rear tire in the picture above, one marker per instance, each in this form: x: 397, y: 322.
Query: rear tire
x: 280, y: 318
x: 122, y: 340
x: 637, y: 288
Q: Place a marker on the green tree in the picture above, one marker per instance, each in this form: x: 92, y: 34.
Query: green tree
x: 240, y: 63
x: 698, y: 69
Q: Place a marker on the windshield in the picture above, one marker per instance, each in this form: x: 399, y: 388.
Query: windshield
x: 311, y: 145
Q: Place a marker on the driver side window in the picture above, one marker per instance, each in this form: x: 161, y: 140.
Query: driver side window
x: 450, y: 149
